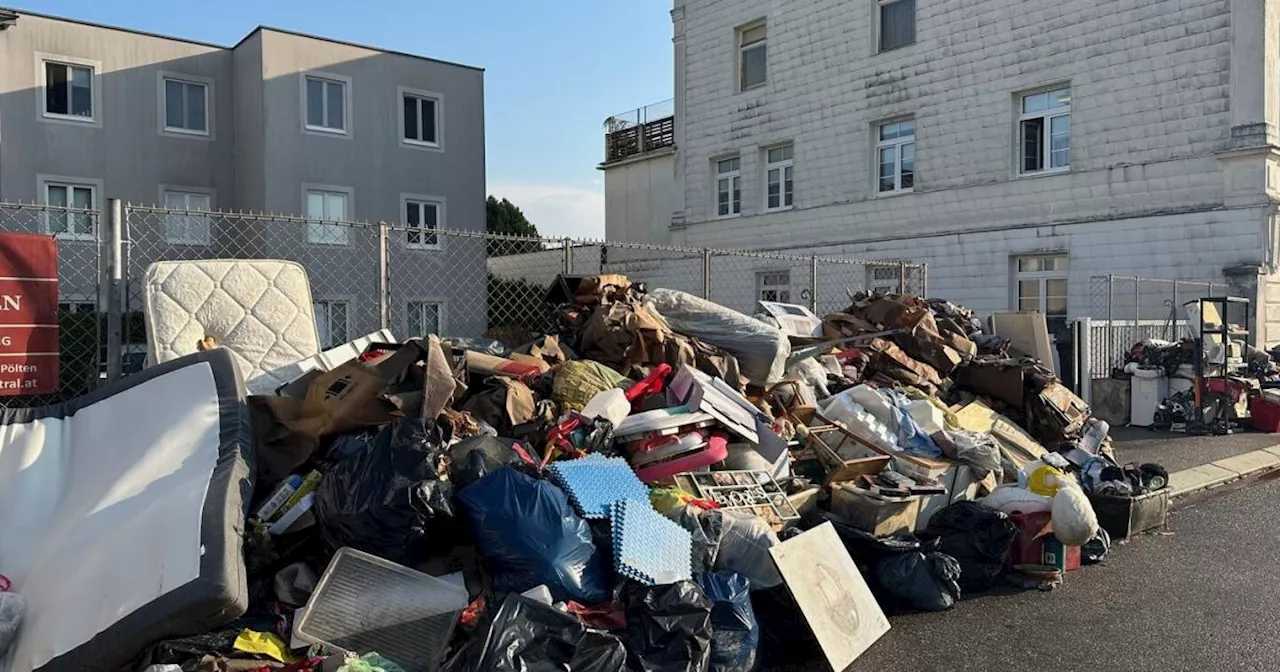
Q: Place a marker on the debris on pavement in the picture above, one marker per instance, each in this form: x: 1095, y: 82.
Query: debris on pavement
x: 616, y: 494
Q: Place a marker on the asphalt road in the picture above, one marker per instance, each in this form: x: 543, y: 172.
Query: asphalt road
x: 1202, y: 598
x: 1177, y: 451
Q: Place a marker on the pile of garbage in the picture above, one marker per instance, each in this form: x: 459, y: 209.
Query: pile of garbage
x: 661, y: 484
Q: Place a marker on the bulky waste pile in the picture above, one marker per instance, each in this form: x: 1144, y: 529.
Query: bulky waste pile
x: 662, y: 484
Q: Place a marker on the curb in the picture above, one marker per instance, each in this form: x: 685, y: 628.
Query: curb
x: 1214, y: 474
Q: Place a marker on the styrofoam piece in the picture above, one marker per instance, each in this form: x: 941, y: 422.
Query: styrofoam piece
x: 326, y: 361
x: 648, y: 547
x: 364, y: 603
x: 595, y: 482
x: 610, y: 404
x: 700, y: 392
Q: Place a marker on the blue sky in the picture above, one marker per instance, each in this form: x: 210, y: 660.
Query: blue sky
x: 554, y: 71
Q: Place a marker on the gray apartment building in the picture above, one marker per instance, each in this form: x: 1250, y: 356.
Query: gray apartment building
x: 280, y: 122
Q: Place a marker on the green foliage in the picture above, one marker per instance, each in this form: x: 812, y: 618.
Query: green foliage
x: 503, y: 217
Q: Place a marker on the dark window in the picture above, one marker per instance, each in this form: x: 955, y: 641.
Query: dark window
x: 897, y: 23
x: 68, y: 90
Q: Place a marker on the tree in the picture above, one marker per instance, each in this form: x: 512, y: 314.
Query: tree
x: 503, y: 217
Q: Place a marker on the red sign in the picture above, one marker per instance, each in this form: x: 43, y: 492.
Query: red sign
x: 28, y: 314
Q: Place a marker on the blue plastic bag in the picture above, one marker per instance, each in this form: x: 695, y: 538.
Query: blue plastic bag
x: 735, y: 634
x: 529, y: 535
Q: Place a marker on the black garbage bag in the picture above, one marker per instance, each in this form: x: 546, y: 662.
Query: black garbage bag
x: 383, y: 493
x: 668, y: 628
x: 474, y: 458
x: 925, y: 581
x: 978, y: 537
x: 1096, y: 548
x: 529, y: 535
x: 522, y: 635
x: 599, y: 652
x: 735, y: 635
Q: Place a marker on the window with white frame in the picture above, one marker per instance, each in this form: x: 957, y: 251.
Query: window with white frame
x: 885, y: 279
x: 423, y: 318
x: 326, y: 104
x: 68, y: 91
x: 421, y: 119
x: 897, y: 23
x: 191, y: 228
x: 76, y: 201
x: 1044, y: 132
x: 774, y: 286
x: 1042, y: 283
x: 778, y: 178
x: 331, y: 323
x: 326, y: 206
x: 896, y: 153
x: 422, y: 220
x: 753, y: 56
x: 186, y: 106
x: 728, y: 187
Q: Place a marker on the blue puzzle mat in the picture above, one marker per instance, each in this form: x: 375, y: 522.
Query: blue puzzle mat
x: 593, y: 483
x: 648, y: 547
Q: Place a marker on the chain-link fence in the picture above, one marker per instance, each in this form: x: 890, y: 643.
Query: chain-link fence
x: 403, y: 277
x: 1125, y: 310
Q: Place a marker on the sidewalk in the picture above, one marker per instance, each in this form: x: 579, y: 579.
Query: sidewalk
x: 1198, y: 462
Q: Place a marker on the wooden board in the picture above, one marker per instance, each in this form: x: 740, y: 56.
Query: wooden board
x: 831, y: 593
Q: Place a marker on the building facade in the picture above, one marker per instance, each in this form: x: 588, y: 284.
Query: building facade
x: 280, y: 122
x: 1018, y: 147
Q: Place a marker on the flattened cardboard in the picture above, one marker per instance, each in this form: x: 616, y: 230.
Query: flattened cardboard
x: 831, y: 593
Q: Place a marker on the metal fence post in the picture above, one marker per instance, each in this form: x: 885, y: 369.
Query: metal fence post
x: 813, y: 284
x: 384, y: 277
x: 1108, y: 348
x: 902, y: 277
x: 568, y: 255
x: 1084, y: 359
x: 706, y: 274
x: 115, y: 284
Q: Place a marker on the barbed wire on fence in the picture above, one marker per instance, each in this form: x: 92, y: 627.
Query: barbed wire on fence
x: 409, y: 278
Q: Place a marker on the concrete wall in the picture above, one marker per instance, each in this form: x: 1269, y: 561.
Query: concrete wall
x: 638, y: 198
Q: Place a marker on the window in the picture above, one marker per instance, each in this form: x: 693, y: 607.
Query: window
x: 68, y: 91
x: 326, y: 206
x: 774, y: 286
x: 189, y: 229
x: 78, y: 201
x: 77, y: 306
x: 885, y: 279
x: 424, y: 318
x: 728, y: 187
x: 896, y: 151
x: 1045, y: 132
x: 753, y: 61
x: 186, y: 106
x: 422, y: 219
x: 897, y: 21
x: 326, y: 104
x: 420, y: 118
x: 1042, y: 284
x: 331, y: 323
x: 779, y: 185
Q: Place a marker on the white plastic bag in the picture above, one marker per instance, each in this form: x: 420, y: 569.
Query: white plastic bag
x: 762, y: 350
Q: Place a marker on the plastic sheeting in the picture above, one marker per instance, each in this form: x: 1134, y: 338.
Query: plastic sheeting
x: 669, y: 628
x: 735, y: 635
x: 529, y: 535
x: 762, y: 350
x: 525, y: 635
x: 979, y: 537
x: 383, y: 494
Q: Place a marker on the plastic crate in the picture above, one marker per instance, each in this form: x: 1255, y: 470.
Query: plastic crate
x: 1266, y: 415
x: 364, y: 603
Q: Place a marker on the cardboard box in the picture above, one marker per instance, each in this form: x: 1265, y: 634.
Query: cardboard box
x: 881, y: 516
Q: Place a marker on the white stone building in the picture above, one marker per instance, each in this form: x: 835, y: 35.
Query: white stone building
x: 1018, y: 147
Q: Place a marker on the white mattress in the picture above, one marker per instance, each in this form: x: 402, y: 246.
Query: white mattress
x: 120, y: 511
x: 259, y: 309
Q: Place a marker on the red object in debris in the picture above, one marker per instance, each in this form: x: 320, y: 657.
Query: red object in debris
x: 652, y: 384
x: 5, y: 584
x: 1028, y: 549
x: 607, y: 616
x: 1266, y: 415
x: 716, y: 451
x: 472, y: 613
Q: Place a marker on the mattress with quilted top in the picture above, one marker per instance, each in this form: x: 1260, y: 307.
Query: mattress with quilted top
x: 259, y: 309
